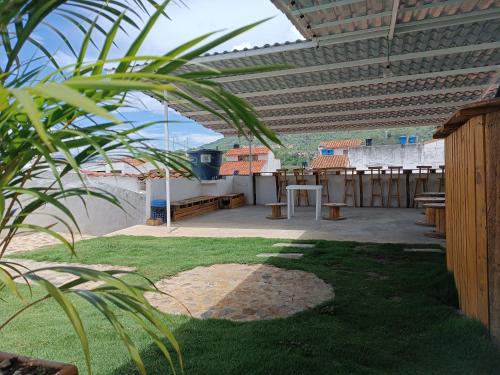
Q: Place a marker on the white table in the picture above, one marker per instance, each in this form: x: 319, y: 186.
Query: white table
x: 290, y: 195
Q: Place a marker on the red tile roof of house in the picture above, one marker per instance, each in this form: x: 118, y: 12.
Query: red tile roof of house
x: 131, y: 161
x: 243, y: 167
x: 330, y: 161
x: 246, y: 151
x: 341, y: 143
x: 153, y: 174
x: 108, y: 174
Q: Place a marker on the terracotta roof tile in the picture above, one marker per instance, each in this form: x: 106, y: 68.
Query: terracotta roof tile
x: 341, y: 143
x: 131, y: 161
x: 243, y: 167
x: 246, y: 151
x: 330, y: 161
x: 153, y: 174
x: 108, y: 174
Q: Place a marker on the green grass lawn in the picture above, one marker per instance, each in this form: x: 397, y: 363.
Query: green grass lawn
x: 394, y: 312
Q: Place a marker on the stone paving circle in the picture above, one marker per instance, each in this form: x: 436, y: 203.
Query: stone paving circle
x: 240, y: 292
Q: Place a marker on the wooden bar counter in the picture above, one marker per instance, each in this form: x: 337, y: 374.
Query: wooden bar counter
x: 472, y: 157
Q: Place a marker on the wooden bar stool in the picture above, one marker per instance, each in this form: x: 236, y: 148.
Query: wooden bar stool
x: 323, y: 181
x: 442, y: 178
x: 394, y: 179
x: 300, y: 179
x: 334, y: 211
x: 276, y: 210
x: 376, y: 183
x: 439, y: 219
x: 349, y: 185
x: 282, y: 184
x: 422, y: 180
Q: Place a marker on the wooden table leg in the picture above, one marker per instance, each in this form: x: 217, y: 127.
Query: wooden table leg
x: 276, y: 211
x: 430, y: 217
x: 334, y: 213
x: 430, y: 214
x: 441, y: 221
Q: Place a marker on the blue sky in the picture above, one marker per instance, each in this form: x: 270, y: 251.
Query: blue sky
x: 189, y: 19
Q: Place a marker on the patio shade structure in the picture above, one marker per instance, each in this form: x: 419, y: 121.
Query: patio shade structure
x: 366, y: 64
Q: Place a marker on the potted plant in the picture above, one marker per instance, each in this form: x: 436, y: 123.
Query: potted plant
x: 54, y: 119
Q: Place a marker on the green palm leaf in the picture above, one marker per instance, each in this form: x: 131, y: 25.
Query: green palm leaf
x: 51, y: 125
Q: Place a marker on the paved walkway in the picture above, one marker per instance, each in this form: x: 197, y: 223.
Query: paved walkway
x: 382, y: 225
x: 241, y: 292
x: 31, y: 241
x: 60, y: 278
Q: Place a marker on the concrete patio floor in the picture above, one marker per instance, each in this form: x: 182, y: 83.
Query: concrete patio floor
x: 382, y: 225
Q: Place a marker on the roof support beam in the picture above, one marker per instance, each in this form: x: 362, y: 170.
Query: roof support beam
x: 493, y: 69
x: 371, y: 111
x: 409, y: 27
x: 394, y: 19
x: 462, y: 18
x: 347, y: 21
x: 360, y: 101
x: 354, y: 125
x: 364, y: 62
x: 360, y: 126
x: 372, y: 81
x: 445, y: 21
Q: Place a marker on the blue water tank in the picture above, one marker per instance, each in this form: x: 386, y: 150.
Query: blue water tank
x: 158, y: 203
x: 205, y: 163
x: 402, y: 139
x: 412, y: 139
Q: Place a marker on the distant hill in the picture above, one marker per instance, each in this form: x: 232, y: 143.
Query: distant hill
x: 303, y: 147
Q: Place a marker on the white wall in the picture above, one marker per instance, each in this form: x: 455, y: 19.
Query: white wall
x: 272, y: 163
x: 408, y: 156
x: 97, y: 216
x: 124, y: 182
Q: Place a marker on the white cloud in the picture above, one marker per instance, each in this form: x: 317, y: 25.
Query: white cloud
x: 198, y: 17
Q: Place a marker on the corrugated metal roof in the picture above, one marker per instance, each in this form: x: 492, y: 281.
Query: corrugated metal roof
x: 367, y: 66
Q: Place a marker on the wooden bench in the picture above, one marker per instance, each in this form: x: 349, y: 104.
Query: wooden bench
x: 430, y: 212
x: 232, y: 200
x: 439, y: 219
x: 193, y: 207
x: 334, y: 211
x: 276, y: 210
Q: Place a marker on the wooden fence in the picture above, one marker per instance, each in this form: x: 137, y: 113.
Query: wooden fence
x: 472, y: 156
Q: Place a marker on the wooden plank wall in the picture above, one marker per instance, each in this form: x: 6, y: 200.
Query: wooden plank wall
x: 492, y: 155
x: 466, y: 221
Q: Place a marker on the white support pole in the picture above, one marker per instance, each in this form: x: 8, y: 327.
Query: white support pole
x: 167, y: 149
x: 250, y: 183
